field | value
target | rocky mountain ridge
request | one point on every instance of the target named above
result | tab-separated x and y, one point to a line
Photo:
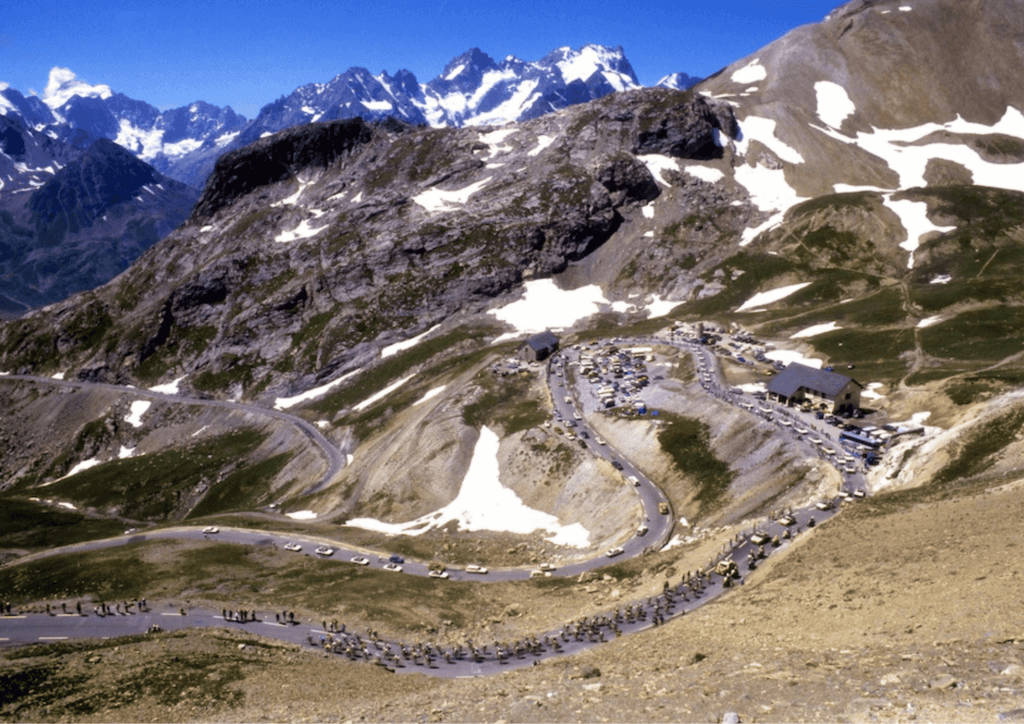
473	89
312	248
71	218
315	248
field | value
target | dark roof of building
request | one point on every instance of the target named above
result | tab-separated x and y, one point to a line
825	383
542	340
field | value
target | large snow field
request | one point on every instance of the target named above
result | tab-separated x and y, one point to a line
545	306
483	503
770	296
910	161
436	200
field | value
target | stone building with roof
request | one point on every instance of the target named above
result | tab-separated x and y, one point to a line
539	347
799	383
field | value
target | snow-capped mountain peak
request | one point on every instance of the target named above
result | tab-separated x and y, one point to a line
64	85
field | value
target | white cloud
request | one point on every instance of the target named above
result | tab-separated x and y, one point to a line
64	84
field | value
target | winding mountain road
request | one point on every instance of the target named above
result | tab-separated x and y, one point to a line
333	458
694	590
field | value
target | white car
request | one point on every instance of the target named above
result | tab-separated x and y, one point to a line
642	530
211	529
616	551
361	561
393	567
599	440
324	551
438	574
537	573
546	566
294	547
474	568
633	479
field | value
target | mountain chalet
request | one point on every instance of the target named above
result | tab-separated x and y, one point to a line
799	383
538	347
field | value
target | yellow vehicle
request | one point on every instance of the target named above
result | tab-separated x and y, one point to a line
663	508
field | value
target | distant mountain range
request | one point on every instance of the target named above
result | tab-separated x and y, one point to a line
185	142
99	212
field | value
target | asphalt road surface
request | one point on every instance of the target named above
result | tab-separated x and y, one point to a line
697	588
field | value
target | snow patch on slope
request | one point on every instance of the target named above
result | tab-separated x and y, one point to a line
435	199
772	295
483	503
752	72
834	105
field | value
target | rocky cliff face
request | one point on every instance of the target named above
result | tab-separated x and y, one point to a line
312	248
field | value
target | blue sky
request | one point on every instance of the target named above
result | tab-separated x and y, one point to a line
247	54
